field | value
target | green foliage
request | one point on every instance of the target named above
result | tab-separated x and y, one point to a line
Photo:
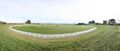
92	22
1	22
112	21
28	22
104	21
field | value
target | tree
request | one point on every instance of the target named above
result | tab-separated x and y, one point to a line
112	21
104	21
4	23
28	22
1	22
92	22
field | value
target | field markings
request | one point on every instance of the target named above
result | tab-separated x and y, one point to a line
51	36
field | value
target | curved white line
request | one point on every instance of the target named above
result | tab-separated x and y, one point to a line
50	36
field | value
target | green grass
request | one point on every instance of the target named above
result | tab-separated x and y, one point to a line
53	29
105	38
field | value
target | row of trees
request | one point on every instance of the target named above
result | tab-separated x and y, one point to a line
110	22
27	22
1	22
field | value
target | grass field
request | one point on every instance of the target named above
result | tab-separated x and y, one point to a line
105	38
52	29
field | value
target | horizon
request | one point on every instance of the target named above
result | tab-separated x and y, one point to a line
59	11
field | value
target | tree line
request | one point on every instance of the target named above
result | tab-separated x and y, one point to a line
105	22
2	22
109	22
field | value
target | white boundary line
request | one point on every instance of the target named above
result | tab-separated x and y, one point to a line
50	36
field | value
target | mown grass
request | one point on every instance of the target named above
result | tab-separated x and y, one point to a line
53	29
105	38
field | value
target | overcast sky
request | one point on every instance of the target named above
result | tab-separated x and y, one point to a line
59	11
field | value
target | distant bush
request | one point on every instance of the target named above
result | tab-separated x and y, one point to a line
104	21
81	24
99	24
92	22
1	22
28	22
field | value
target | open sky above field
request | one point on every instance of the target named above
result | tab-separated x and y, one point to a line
59	11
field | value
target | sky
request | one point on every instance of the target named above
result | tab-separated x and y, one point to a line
59	11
